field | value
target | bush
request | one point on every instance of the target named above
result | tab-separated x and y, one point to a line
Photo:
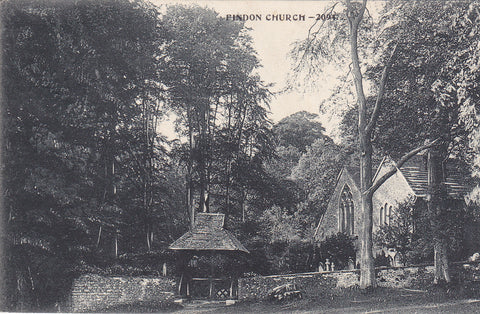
381	260
338	248
280	257
410	232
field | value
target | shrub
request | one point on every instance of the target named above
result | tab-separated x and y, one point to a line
338	248
410	231
281	257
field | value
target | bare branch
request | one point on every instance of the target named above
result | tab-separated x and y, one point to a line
381	92
398	165
311	36
362	11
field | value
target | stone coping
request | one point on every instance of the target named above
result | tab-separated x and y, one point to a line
351	270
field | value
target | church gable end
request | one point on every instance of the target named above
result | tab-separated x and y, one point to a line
342	213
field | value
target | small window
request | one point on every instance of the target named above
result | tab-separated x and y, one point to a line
385	214
382	214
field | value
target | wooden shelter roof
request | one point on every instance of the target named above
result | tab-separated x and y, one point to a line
208	235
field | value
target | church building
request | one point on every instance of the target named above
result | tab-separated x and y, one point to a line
409	182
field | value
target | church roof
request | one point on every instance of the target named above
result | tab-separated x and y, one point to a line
415	172
208	234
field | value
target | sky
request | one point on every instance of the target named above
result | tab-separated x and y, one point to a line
273	40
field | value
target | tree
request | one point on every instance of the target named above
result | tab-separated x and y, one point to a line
367	118
73	75
410	232
456	84
298	130
221	106
316	173
428	40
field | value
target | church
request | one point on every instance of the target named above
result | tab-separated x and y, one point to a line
409	182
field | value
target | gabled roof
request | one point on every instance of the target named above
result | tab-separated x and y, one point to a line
415	172
208	235
416	175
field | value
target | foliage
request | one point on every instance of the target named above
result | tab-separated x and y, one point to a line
316	173
406	231
338	248
222	108
88	175
279	226
73	128
298	130
286	158
281	257
411	229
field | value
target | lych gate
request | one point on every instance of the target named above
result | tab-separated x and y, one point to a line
207	259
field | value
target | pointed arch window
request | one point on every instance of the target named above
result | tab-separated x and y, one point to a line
382	216
385	214
346	216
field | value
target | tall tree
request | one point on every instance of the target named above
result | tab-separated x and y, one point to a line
73	72
428	40
299	130
367	117
220	103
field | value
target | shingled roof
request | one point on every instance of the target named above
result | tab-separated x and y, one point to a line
208	235
415	172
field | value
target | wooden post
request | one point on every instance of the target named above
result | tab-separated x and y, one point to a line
116	244
211	274
211	287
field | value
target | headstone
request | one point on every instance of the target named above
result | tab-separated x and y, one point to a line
327	265
474	258
351	264
391	253
321	268
164	269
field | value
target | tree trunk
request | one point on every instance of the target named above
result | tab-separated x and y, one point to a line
149	247
367	267
436	207
190	207
116	244
243	199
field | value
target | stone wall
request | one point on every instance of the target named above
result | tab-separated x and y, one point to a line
405	277
311	284
94	292
328	283
331	283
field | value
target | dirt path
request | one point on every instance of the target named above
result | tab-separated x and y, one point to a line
459	306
